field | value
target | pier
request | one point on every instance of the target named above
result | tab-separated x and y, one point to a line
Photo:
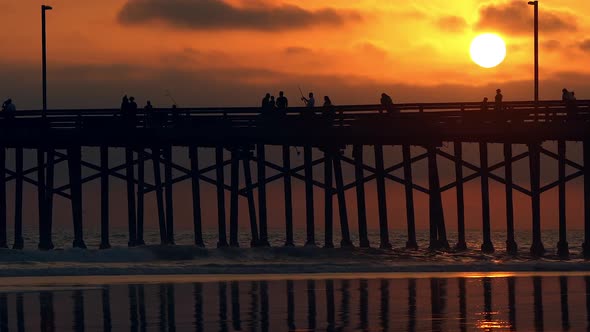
239	139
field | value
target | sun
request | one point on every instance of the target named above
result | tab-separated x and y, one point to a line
488	50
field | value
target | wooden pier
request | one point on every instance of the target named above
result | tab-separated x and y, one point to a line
246	135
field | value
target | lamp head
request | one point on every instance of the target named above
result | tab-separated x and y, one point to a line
533	3
47	7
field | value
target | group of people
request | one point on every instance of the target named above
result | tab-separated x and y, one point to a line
269	104
497	102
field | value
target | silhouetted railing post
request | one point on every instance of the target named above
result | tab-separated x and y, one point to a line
328	201
360	195
234	196
196	189
43	241
291	305
3	236
140	195
409	189
222	294
262	211
511	246
18	200
132	218
159	195
461	244
381	197
133	318
250	197
562	245
47	314
107	324
170	298
384	304
20	313
586	245
346	242
168	192
78	307
537	248
309	214
512	303
198	298
104	197
288	196
487	246
75	170
264	306
435	309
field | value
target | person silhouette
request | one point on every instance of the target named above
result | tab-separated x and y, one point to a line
271	104
265	102
8	108
149	114
484	104
125	103
131	111
309	102
387	103
282	103
498	100
328	107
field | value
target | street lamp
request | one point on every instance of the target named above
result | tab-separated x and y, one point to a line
536	5
44	8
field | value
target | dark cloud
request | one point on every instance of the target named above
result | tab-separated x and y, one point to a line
551	45
451	23
296	50
517	18
219	15
585	45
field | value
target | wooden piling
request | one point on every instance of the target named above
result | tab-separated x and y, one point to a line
511	246
537	248
586	157
3	236
250	196
562	245
18	200
328	202
262	210
75	170
288	196
159	195
408	186
346	242
196	191
168	190
222	242
235	183
44	242
131	208
307	157
360	195
487	246
140	195
104	197
381	197
49	179
461	243
438	238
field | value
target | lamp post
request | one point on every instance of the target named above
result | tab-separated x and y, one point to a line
44	8
536	5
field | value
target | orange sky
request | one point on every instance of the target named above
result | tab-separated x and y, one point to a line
212	52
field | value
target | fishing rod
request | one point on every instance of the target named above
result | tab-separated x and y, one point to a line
169	95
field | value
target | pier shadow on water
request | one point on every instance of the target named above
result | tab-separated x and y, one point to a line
527	303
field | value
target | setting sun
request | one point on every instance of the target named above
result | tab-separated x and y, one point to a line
488	50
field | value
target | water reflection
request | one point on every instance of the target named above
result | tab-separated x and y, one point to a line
435	304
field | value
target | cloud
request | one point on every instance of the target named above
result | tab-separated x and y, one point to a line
219	15
297	50
585	45
517	18
451	23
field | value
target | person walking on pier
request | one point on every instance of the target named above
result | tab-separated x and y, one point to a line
498	101
282	103
272	104
387	104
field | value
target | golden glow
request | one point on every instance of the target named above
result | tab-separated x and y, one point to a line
488	50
